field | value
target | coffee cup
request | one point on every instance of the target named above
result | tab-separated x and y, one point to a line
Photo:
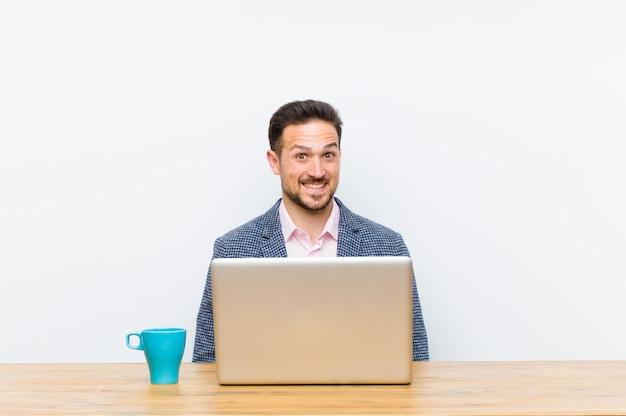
163	348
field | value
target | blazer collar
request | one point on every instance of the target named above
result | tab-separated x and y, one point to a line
273	243
348	244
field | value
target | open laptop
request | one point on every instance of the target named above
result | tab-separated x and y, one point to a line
332	320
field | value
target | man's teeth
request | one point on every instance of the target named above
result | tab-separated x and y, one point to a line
314	185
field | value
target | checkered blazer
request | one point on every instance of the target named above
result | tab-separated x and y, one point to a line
263	237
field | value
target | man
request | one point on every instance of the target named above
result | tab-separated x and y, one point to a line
305	139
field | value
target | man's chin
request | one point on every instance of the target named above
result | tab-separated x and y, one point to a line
312	205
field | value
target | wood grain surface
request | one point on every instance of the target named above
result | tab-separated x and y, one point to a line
438	388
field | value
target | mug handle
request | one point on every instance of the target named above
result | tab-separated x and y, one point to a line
139	346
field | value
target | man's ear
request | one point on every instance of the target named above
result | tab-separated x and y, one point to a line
274	161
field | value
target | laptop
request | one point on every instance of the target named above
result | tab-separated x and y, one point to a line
332	320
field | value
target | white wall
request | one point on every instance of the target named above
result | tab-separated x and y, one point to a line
491	134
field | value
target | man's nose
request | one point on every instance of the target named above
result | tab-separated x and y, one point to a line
316	168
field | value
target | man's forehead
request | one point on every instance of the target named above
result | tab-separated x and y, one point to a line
311	141
313	130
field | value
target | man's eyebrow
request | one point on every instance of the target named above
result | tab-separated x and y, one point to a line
300	146
307	148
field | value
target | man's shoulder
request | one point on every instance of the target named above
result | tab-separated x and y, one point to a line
361	236
362	224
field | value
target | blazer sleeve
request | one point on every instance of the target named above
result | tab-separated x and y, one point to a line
420	337
204	345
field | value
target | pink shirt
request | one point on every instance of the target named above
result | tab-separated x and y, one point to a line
298	242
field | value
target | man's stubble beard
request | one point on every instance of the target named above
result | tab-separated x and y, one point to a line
296	199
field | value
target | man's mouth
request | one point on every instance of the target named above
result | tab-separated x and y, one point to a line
314	185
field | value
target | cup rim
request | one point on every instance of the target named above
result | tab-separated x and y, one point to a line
164	330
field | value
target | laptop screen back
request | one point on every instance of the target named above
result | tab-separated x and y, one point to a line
338	320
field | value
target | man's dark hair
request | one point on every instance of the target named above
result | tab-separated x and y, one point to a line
300	112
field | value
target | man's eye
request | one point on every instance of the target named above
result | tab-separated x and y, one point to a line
301	156
329	155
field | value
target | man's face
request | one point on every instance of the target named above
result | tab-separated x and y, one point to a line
308	164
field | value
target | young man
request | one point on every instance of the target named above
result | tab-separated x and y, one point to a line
305	151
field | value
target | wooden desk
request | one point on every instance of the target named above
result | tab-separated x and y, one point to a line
438	388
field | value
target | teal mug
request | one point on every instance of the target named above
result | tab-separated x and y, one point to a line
163	348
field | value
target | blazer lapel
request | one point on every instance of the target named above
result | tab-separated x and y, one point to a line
272	241
349	240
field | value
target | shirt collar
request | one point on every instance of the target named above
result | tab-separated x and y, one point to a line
288	227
